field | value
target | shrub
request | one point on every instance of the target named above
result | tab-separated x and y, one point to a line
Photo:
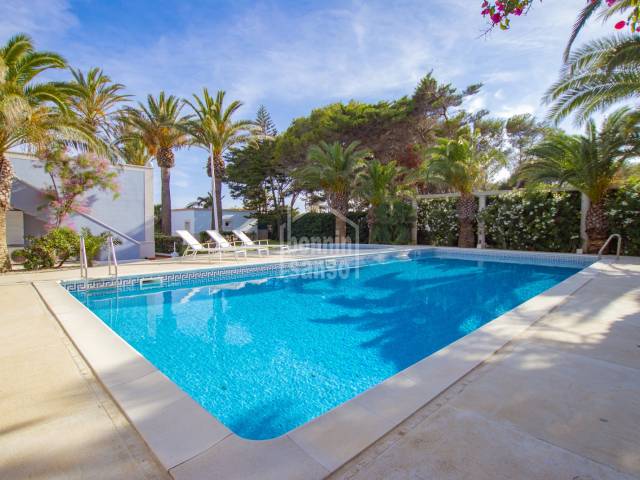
18	256
623	211
393	223
203	237
321	227
52	249
164	244
94	243
533	220
438	222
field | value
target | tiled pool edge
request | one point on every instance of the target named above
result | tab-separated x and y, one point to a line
282	266
188	441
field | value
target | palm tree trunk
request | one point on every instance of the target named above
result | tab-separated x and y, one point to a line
597	227
371	220
341	230
466	212
218	201
340	203
218	165
166	200
6	180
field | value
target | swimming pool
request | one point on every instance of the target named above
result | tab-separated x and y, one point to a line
269	353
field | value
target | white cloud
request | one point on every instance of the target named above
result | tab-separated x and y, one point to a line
40	18
518	109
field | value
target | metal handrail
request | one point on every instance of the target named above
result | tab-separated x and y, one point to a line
84	265
113	260
606	244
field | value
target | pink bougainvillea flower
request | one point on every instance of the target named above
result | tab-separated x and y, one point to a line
620	25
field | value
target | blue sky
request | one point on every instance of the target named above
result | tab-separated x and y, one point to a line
293	56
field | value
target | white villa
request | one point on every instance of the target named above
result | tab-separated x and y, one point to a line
196	220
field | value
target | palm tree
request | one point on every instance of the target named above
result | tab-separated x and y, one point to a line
332	168
589	163
95	99
598	75
128	145
161	127
214	129
459	164
24	112
607	11
377	183
133	151
202	202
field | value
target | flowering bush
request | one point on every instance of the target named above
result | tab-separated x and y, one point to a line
623	211
542	221
438	222
499	12
71	178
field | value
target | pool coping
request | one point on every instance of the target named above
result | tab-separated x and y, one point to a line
189	442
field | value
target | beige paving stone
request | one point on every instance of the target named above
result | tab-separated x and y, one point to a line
55	422
587	406
277	459
617	343
340	434
457	445
179	431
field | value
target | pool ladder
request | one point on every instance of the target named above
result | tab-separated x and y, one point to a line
606	244
84	265
112	259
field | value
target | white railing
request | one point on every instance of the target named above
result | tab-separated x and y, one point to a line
606	244
113	260
84	265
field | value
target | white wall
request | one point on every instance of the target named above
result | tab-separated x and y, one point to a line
182	219
200	219
15	228
129	216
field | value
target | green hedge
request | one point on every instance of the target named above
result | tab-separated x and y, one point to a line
437	222
533	220
320	227
623	211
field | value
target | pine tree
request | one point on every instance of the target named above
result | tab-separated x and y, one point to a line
265	123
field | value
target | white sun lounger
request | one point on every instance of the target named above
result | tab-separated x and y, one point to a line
194	246
259	245
223	244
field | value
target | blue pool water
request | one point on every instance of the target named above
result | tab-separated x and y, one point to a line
270	354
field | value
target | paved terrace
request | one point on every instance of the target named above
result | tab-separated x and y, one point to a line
560	401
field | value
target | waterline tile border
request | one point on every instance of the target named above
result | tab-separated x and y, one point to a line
236	272
347	260
190	443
